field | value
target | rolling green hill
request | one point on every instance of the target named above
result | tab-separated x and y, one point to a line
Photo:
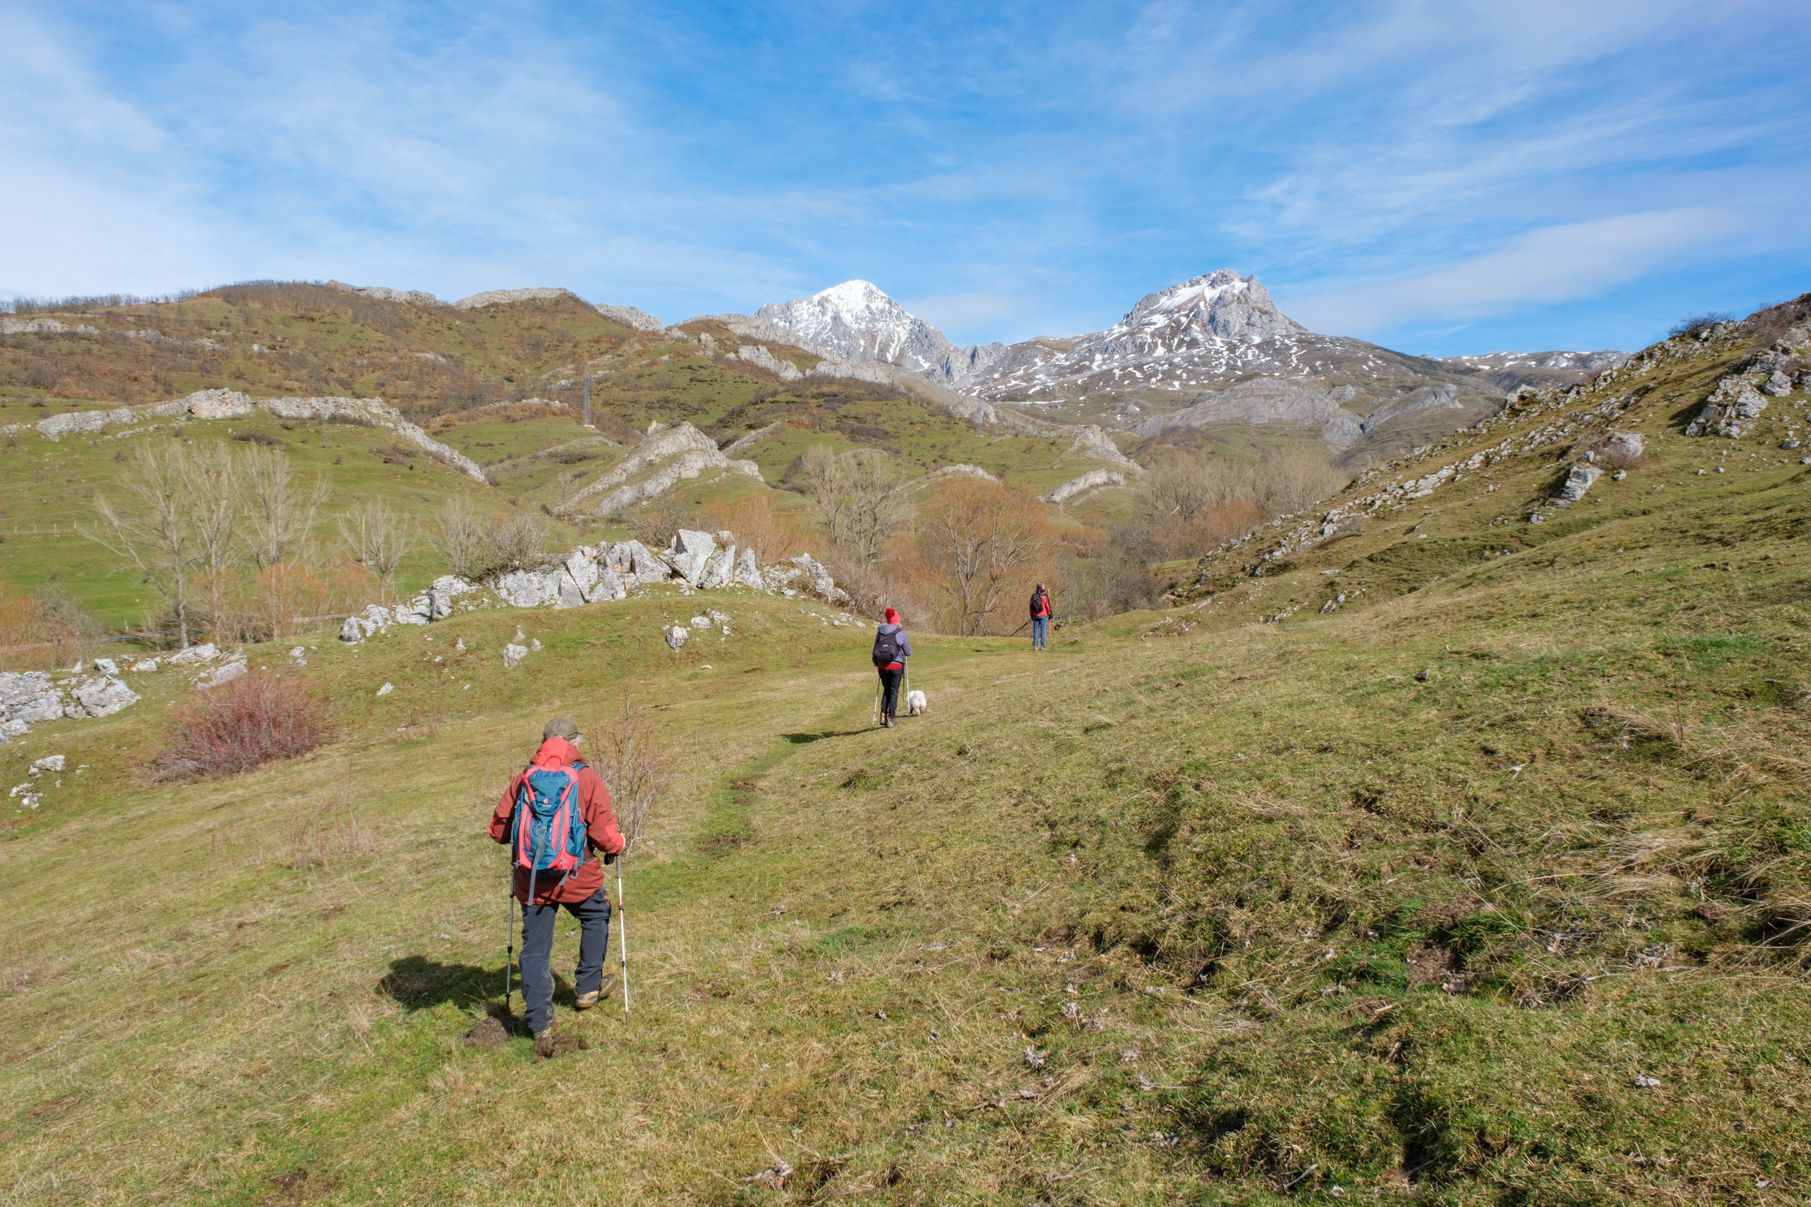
1490	884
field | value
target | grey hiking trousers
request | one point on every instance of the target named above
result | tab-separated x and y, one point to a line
593	914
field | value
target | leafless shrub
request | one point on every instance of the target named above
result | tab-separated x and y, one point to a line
632	766
1693	324
255	719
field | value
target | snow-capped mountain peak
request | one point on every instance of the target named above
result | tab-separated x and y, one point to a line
856	320
1217	304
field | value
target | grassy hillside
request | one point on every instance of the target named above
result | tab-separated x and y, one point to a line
1491	885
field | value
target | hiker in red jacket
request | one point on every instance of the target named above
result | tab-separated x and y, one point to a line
891	648
580	888
1041	612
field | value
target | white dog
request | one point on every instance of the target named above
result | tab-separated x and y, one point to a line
915	703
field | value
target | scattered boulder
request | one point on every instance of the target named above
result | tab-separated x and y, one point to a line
822	585
691	551
101	697
25	697
528	588
676	636
145	666
1730	410
1777	384
53	763
748	571
1626	447
386	689
1579	479
513	655
224	673
195	654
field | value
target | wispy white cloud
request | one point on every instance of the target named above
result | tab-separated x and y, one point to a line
1551	265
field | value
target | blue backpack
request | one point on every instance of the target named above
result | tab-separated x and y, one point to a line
554	838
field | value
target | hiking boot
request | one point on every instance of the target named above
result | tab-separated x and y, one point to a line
585	1001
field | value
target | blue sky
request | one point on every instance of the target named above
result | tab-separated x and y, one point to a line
1437	175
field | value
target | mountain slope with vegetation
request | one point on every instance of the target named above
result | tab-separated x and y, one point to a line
1488	881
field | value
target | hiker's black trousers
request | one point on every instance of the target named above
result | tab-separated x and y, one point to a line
889	691
593	914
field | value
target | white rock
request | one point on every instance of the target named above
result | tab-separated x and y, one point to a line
513	655
444	590
676	636
145	666
690	552
101	698
748	572
386	689
205	652
535	645
50	762
529	588
720	570
106	666
224	673
27	696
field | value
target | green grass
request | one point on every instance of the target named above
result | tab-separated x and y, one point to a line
1394	904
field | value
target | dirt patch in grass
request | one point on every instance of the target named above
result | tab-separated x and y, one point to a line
297	1186
1430	964
487	1032
559	1043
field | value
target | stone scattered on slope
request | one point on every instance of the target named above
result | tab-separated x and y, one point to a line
513	654
53	763
386	689
222	674
676	636
100	697
1579	479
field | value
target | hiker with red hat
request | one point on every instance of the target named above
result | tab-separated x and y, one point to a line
891	648
556	818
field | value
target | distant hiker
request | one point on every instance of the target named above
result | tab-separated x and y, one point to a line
891	648
555	815
1041	612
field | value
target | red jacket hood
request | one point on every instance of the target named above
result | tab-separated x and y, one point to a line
892	616
560	749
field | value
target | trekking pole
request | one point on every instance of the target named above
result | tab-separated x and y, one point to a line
874	713
509	935
622	921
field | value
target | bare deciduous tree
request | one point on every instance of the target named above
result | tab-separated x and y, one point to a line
153	526
280	512
976	535
1296	478
859	495
378	538
214	478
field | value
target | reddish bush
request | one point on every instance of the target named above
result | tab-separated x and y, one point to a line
255	719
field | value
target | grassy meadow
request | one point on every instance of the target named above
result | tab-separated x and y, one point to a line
1493	885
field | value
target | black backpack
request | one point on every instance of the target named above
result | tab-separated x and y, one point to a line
886	648
1037	599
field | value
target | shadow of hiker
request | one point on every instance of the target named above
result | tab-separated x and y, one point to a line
418	983
802	739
